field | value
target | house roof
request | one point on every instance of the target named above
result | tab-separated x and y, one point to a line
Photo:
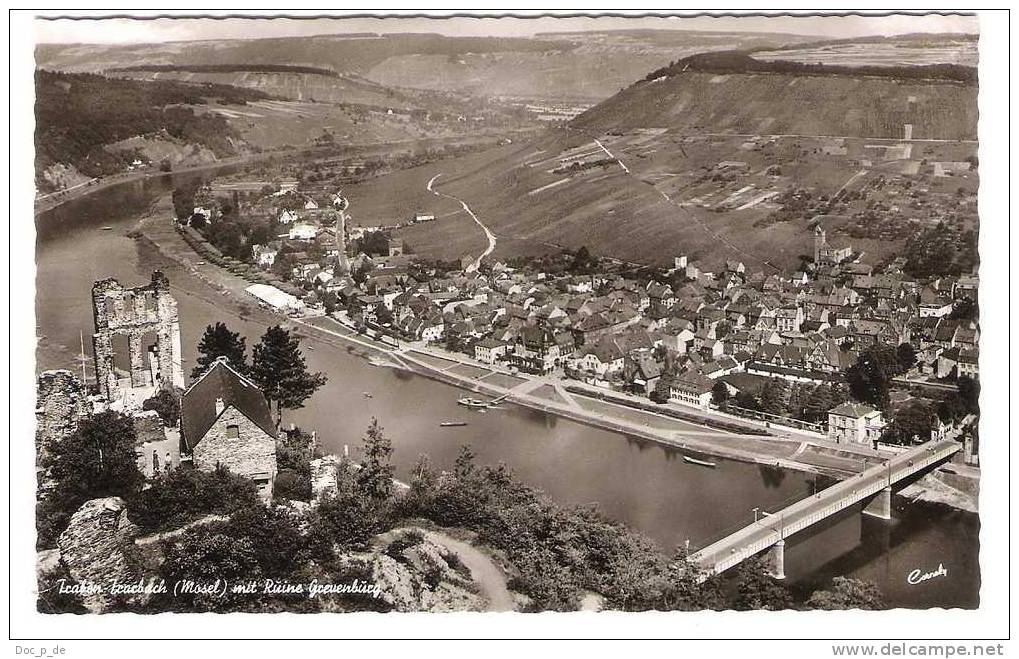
852	410
198	405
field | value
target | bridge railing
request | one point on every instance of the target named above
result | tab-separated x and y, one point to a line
744	543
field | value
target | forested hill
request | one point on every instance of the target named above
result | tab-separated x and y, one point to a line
740	62
731	92
227	68
79	115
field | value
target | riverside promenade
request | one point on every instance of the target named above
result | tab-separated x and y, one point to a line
549	394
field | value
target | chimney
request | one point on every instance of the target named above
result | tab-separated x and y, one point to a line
220	406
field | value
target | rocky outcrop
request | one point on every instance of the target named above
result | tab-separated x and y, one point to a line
416	574
92	549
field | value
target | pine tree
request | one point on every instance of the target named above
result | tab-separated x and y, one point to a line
279	369
820	400
218	341
375	479
464	467
773	396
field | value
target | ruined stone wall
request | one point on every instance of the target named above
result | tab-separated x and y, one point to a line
134	312
252	454
324	472
60	403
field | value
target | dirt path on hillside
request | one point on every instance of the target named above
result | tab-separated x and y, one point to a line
483	569
491	236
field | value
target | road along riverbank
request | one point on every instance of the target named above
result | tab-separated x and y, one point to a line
644	484
544	394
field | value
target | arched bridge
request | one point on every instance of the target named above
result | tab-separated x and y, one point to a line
771	531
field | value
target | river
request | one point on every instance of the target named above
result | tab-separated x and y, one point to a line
639	483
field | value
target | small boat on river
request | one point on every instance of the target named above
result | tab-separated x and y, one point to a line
696	461
366	394
452	424
475	403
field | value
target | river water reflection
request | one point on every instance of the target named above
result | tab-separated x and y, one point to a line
640	483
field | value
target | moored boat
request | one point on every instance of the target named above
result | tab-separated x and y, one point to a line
696	461
472	402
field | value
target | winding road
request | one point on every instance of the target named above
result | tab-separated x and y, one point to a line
491	236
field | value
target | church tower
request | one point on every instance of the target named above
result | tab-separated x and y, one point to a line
342	264
820	241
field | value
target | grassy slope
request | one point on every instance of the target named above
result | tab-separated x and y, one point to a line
627	217
782	104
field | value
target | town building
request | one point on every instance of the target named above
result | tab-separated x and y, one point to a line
225	421
855	423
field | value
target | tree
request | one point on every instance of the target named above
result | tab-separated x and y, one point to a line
819	401
279	369
746	400
756	590
184	200
348	520
719	393
799	394
846	593
911	425
582	261
375	479
871	376
167	405
329	301
773	396
934	252
906	355
464	467
969	392
98	460
218	341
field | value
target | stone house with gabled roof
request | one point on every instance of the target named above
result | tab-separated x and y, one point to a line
854	423
225	421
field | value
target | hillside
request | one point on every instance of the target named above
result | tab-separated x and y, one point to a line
340	53
81	118
739	166
588	66
597	65
695	102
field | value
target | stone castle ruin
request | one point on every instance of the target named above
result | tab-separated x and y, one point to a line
60	402
136	313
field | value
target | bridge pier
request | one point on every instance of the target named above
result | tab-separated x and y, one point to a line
881	505
776	557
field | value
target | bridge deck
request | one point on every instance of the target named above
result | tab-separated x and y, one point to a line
755	538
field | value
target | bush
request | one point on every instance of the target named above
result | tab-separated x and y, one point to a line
292	485
185	495
167	405
348	521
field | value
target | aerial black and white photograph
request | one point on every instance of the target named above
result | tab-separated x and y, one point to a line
554	313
